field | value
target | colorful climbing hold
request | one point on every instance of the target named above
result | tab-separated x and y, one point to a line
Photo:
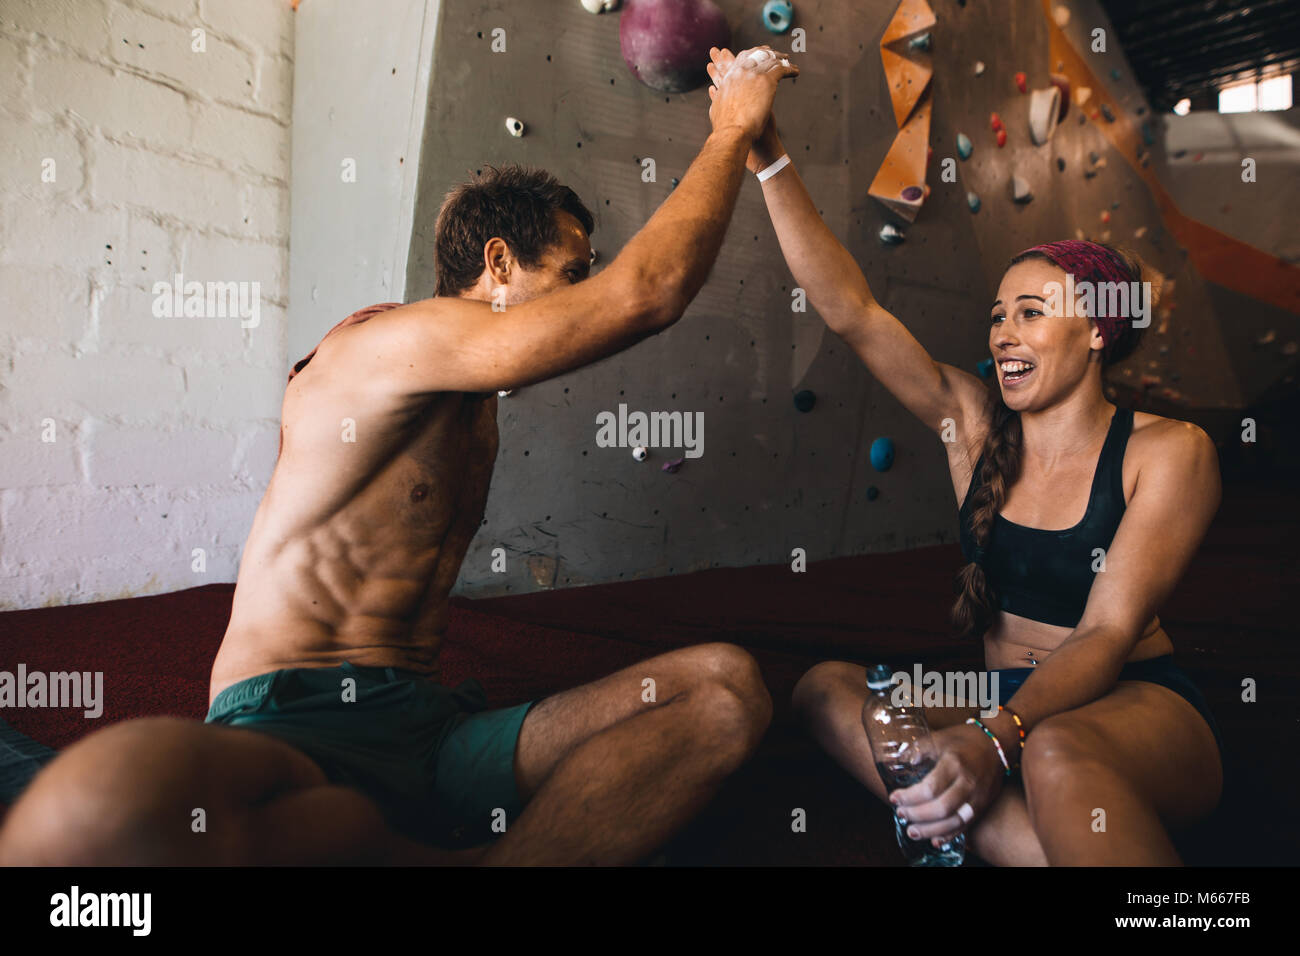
1002	137
913	193
1020	190
1022	83
672	466
964	146
1114	73
985	368
1105	215
890	234
1107	112
973	201
514	127
882	454
805	400
1061	14
1114	204
979	67
872	492
640	453
1148	134
778	15
995	122
920	42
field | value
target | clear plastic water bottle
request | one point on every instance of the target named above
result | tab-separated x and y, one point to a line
904	753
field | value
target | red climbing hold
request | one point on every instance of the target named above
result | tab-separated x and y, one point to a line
995	122
1022	83
1002	137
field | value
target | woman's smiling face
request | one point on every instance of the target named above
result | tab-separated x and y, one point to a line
1040	356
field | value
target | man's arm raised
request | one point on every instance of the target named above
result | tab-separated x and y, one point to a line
452	344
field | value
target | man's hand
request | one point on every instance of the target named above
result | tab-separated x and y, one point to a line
967	773
744	87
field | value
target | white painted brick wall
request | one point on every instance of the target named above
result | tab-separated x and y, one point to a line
166	161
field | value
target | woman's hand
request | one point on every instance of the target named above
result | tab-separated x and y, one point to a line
967	773
744	85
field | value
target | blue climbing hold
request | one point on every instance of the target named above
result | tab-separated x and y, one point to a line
985	368
778	15
805	400
973	201
1114	73
1148	134
964	146
921	43
873	493
882	454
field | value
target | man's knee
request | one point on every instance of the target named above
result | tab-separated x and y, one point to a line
735	669
729	701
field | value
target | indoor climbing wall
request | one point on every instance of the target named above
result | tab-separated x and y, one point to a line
776	475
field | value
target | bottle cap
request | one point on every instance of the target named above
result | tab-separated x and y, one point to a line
879	677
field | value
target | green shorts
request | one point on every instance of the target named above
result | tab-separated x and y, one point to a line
438	763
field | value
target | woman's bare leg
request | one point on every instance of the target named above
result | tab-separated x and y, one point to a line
1103	781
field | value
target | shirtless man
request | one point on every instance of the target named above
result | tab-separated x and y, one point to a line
329	739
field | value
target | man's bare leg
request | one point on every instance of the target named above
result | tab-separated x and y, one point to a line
127	796
609	776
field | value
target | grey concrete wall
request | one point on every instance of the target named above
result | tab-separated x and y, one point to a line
771	479
361	78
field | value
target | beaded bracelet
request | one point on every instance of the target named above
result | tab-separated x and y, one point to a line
1001	756
1020	726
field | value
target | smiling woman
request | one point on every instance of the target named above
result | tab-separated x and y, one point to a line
1069	556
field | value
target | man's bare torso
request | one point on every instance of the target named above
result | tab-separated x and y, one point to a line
356	544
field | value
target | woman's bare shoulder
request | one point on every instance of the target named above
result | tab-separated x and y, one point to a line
1171	440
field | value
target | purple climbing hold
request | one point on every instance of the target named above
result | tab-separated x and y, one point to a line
913	193
672	466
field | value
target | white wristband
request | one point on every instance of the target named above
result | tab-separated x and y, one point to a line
769	171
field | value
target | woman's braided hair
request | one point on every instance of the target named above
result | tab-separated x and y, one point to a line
976	603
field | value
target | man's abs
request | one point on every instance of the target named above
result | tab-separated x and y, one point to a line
362	530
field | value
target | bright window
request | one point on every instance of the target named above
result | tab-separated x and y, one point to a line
1275	93
1239	99
1271	94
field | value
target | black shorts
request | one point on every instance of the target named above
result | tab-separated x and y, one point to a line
1156	670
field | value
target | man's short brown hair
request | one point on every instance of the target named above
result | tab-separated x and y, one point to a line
515	203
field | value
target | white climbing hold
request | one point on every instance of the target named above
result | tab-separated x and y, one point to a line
599	6
1061	15
640	453
1139	232
514	127
1020	190
1044	111
979	67
1082	94
503	392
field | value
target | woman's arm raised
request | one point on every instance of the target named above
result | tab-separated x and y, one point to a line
837	289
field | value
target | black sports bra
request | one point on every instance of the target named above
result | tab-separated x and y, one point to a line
1046	575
